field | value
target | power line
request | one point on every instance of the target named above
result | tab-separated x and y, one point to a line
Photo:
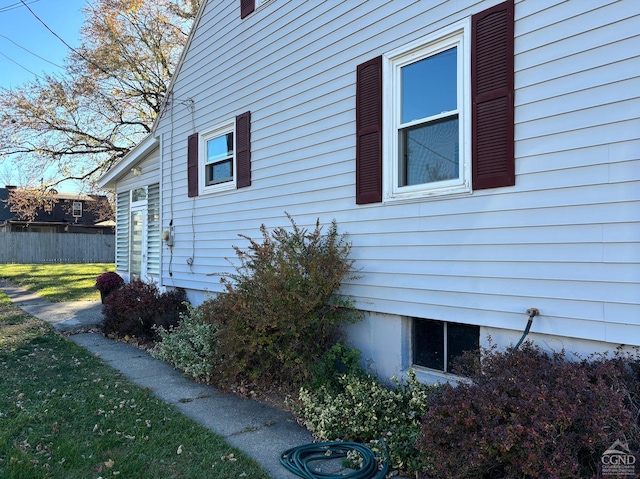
77	52
47	27
13	6
21	66
29	51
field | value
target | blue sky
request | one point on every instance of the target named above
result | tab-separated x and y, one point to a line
28	48
23	33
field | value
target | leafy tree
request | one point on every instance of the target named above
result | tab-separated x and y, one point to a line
75	125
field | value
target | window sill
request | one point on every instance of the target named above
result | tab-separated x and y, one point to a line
430	376
430	195
228	186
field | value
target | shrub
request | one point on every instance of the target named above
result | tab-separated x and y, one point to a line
365	410
280	312
134	309
189	346
528	414
337	361
108	281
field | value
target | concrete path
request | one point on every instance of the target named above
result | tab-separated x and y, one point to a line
259	430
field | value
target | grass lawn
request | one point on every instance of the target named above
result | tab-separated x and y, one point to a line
57	282
65	414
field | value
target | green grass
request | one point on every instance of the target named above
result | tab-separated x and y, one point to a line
65	414
57	282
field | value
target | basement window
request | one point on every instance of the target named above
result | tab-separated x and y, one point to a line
438	344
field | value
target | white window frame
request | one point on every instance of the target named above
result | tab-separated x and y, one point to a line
456	35
218	130
76	209
261	3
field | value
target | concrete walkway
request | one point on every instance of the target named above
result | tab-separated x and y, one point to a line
259	430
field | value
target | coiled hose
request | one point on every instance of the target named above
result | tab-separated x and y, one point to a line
298	460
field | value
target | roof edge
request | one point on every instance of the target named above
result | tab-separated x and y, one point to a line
108	179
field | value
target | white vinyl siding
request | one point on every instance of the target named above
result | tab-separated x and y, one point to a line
564	239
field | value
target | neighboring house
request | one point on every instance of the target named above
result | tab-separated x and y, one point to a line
66	213
483	158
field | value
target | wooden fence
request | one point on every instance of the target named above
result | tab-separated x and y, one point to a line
43	248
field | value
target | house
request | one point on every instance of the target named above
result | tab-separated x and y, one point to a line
482	156
63	213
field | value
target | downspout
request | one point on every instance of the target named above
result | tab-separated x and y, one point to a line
532	313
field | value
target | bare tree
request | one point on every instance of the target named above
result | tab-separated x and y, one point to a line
75	125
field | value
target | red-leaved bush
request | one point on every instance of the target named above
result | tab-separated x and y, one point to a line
528	414
136	307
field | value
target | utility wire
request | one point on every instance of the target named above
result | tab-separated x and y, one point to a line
47	27
21	66
29	51
13	6
77	52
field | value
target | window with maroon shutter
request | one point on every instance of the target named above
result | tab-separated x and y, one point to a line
192	165
449	113
492	94
369	132
219	159
243	150
247	7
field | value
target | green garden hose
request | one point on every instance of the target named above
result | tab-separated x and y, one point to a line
299	460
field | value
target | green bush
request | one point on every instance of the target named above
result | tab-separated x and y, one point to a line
280	310
365	410
528	414
189	346
339	360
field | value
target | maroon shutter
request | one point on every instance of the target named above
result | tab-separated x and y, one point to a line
247	7
492	97
243	150
192	165
369	132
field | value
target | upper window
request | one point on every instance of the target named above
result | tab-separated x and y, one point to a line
247	7
428	118
436	116
77	209
218	159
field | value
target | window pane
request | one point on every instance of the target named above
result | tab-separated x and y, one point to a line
139	194
219	172
135	266
429	152
429	86
219	148
428	343
461	338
